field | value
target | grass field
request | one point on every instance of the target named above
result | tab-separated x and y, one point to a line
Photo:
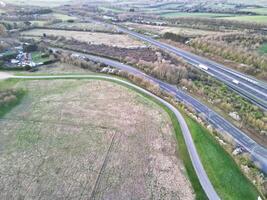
114	10
244	18
262	19
88	138
118	40
39	23
58	68
177	30
63	17
2	10
183	14
255	2
222	170
93	26
263	48
37	57
260	11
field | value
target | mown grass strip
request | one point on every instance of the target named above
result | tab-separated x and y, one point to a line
223	172
263	48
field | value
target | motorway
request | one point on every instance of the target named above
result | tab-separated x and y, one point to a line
258	152
250	88
202	176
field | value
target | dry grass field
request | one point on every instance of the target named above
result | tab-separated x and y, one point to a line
177	30
60	68
117	40
82	139
92	26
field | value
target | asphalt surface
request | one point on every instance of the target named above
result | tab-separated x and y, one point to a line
202	176
250	88
257	152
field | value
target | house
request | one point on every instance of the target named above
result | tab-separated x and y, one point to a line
23	60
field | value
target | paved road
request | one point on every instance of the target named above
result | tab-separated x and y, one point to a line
4	75
202	176
250	88
258	152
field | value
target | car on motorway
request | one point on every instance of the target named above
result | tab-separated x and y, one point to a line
235	81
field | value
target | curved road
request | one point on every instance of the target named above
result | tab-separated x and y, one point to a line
250	88
202	176
257	152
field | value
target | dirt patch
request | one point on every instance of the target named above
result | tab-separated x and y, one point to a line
84	139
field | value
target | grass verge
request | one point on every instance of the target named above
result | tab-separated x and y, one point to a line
223	172
263	48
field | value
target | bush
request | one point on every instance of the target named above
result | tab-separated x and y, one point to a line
175	37
8	99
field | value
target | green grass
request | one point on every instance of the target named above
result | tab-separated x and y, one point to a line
261	19
263	48
27	138
63	17
185	14
9	53
8	83
255	2
114	10
4	109
2	10
260	11
38	23
37	57
225	175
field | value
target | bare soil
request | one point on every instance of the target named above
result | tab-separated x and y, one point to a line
88	139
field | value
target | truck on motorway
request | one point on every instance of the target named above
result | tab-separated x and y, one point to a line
204	67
